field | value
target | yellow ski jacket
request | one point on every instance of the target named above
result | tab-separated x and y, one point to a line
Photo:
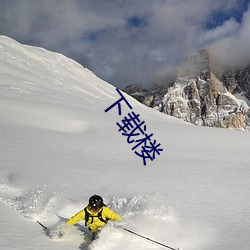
94	223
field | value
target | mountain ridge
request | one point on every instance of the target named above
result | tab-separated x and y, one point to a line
201	95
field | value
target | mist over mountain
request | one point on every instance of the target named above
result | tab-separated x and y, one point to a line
203	92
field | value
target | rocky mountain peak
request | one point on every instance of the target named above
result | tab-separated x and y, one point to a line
196	64
200	96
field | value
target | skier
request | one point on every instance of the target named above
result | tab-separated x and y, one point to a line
95	214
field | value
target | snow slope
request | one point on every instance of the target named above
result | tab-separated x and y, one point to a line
58	147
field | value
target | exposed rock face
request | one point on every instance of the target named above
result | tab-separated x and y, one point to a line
199	97
137	91
237	81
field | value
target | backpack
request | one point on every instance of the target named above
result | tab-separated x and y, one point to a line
88	216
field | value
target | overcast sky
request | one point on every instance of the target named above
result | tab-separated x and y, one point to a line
131	41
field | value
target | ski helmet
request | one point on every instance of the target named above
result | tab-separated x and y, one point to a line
96	202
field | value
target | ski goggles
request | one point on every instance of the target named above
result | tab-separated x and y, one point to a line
94	208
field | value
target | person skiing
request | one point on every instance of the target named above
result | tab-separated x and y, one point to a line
95	214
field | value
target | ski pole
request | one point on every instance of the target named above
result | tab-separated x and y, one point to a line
45	228
146	238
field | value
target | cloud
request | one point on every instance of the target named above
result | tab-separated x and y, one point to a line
228	28
126	42
233	49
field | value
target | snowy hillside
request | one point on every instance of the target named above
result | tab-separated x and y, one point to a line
58	147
